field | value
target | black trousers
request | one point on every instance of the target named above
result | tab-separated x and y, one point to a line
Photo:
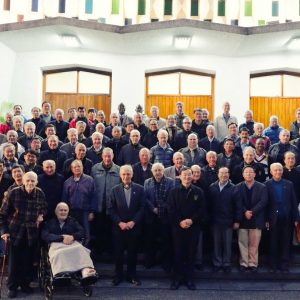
101	228
125	240
20	264
158	239
280	243
184	247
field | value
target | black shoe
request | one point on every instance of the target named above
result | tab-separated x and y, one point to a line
227	269
190	285
243	269
12	294
253	269
216	269
135	281
27	289
116	281
175	285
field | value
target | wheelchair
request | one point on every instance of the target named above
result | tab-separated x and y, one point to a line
49	283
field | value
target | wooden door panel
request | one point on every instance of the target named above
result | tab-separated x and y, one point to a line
167	104
65	101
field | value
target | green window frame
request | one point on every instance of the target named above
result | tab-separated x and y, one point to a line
221	8
194	8
248	8
168	8
275	8
142	7
88	6
115	7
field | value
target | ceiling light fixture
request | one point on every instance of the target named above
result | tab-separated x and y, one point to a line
182	42
71	41
294	43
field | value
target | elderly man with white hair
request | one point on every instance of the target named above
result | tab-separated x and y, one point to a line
129	153
61	126
154	114
29	134
66	253
282	214
249	123
221	122
210	142
258	134
162	151
142	169
126	209
272	132
277	150
94	153
12	138
21	213
157	227
174	171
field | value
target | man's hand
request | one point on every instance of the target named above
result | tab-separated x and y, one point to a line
155	210
123	226
185	224
39	220
5	236
248	214
68	239
91	217
296	223
130	225
236	226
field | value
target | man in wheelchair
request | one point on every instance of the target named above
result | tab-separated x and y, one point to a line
67	255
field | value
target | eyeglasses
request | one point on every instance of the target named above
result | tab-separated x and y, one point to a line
153	124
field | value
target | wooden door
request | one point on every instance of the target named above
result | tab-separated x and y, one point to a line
66	101
284	108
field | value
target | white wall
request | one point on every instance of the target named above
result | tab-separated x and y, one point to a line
128	81
7	62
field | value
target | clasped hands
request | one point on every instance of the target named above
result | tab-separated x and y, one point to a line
68	239
126	226
185	224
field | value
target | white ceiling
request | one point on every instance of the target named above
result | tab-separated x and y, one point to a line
223	42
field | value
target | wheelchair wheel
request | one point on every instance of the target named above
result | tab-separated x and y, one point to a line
48	292
88	291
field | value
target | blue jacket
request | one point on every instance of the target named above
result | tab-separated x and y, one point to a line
149	186
273	133
224	206
80	194
164	156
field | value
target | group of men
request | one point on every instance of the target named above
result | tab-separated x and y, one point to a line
164	186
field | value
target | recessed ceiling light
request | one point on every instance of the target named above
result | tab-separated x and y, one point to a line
71	41
294	43
182	42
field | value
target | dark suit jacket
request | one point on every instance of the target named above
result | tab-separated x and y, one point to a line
259	201
290	202
215	145
120	212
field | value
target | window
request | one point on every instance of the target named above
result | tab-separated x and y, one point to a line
291	86
115	7
88	6
35	5
221	8
248	8
62	6
6	5
234	22
142	7
275	8
167	84
154	20
64	82
168	8
194	8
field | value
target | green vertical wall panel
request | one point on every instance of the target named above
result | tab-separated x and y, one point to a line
221	8
115	7
168	8
194	8
275	8
248	8
142	7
